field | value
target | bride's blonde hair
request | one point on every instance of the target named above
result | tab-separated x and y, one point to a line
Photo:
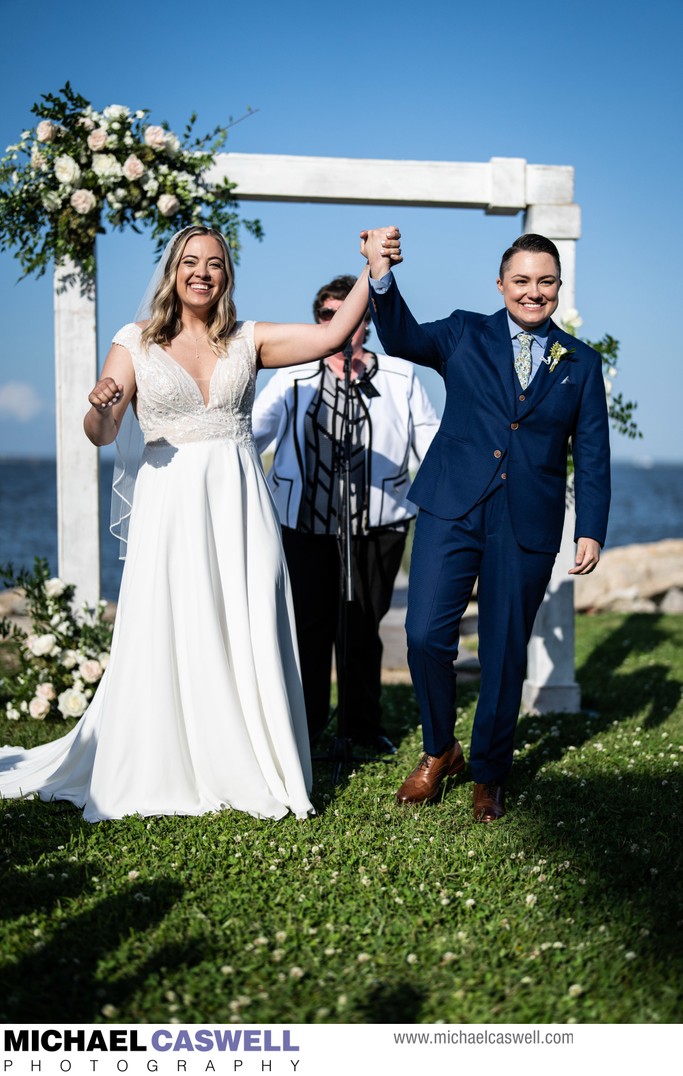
165	324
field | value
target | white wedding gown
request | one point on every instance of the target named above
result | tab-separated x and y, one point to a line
201	705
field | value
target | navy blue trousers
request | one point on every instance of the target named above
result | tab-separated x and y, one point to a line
448	556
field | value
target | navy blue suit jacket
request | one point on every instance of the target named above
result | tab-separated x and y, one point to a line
492	428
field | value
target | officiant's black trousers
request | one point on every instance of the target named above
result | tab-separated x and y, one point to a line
315	571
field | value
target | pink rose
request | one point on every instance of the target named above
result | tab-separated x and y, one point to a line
46	131
90	670
155	137
46	691
133	167
83	201
97	139
168	205
39	708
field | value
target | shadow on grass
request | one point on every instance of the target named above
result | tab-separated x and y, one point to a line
609	693
621	836
58	978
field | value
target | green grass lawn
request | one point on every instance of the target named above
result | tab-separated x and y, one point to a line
569	909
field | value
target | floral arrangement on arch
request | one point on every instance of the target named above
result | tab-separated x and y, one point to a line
62	660
80	167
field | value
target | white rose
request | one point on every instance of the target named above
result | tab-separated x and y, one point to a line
12	714
168	204
46	131
106	166
39	708
40	644
66	169
72	703
155	137
90	670
46	691
70	659
85	121
151	186
97	139
113	112
54	587
103	659
133	167
172	144
83	201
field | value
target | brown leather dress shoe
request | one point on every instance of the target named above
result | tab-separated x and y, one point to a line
423	783
489	802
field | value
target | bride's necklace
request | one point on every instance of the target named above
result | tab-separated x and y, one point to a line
196	339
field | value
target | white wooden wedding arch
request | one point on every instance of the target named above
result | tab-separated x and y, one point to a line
501	186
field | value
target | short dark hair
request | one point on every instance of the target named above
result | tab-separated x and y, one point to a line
534	244
338	288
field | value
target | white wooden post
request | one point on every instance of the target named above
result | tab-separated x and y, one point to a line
78	530
550	685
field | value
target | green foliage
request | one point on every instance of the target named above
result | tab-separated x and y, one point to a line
81	168
60	662
568	910
620	410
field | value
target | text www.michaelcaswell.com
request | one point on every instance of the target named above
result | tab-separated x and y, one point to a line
460	1037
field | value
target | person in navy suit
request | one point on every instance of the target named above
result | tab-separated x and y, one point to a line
491	497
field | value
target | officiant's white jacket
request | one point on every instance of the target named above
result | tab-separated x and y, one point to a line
401	423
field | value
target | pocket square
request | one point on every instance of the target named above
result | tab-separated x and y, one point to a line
566	381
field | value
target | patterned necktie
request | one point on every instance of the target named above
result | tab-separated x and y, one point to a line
523	359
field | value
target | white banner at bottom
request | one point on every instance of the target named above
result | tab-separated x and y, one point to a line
328	1049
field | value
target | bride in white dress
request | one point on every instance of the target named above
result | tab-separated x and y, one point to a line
201	705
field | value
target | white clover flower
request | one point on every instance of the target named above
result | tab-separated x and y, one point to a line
168	205
412	958
83	201
72	703
469	903
530	899
38	708
296	973
106	166
46	131
66	170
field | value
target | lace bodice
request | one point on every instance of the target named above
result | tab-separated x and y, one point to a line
170	406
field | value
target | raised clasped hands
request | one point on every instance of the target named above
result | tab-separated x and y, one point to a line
105	394
382	248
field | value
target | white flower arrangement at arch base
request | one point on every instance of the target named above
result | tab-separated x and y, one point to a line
63	658
80	168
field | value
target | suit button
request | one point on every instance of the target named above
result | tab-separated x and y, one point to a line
503	476
497	454
522	398
514	425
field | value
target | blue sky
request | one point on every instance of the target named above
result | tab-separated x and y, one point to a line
589	84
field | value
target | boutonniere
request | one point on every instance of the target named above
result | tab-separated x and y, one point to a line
556	354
